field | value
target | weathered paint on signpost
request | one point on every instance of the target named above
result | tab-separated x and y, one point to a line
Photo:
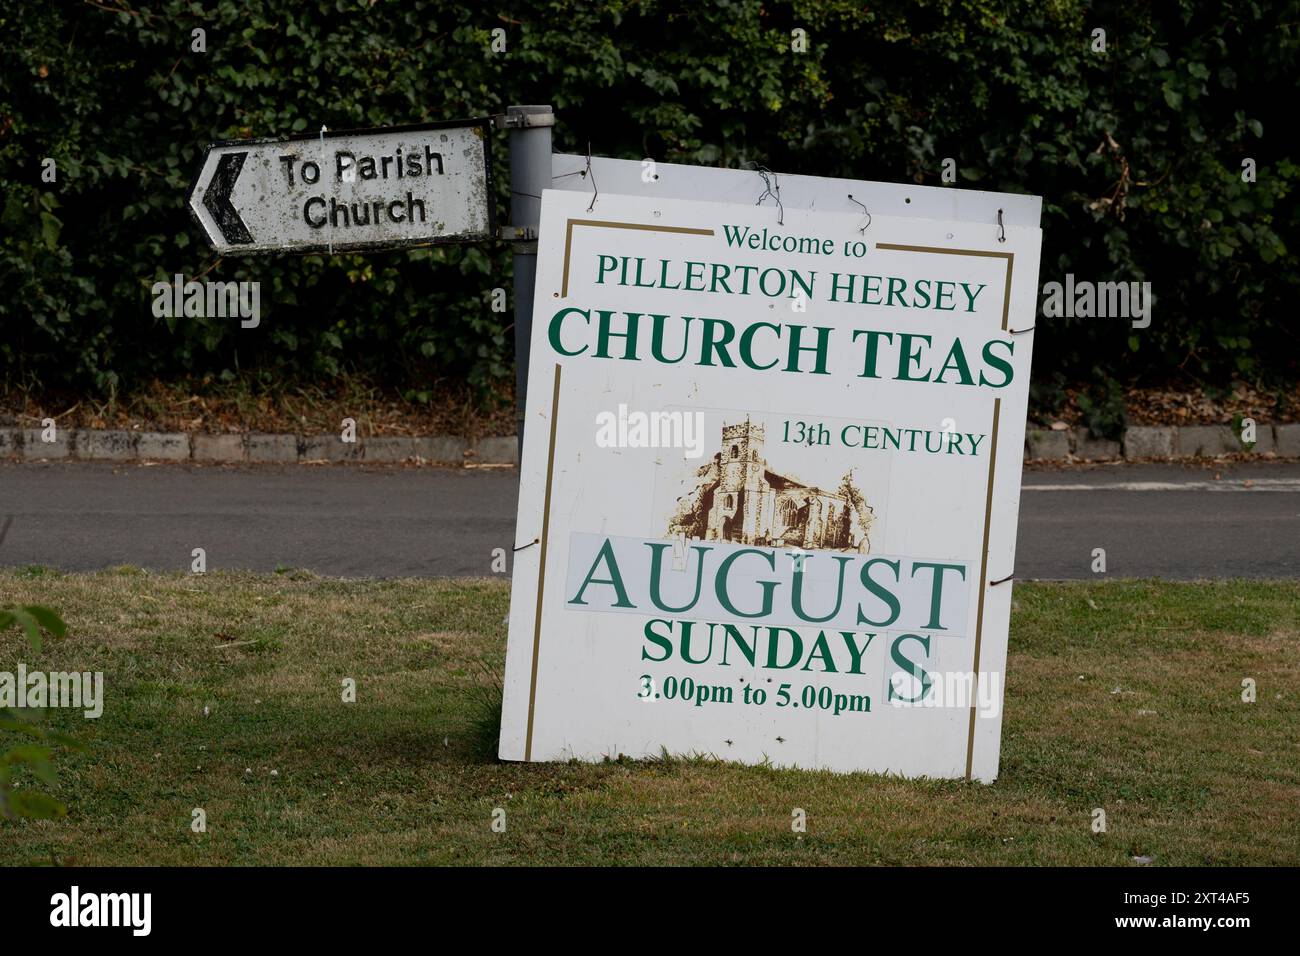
769	488
347	190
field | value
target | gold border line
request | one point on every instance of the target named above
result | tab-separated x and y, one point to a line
647	227
988	494
984	570
541	570
1009	256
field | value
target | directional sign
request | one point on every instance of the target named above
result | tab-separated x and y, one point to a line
347	190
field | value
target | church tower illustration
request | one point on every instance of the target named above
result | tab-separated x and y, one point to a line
741	484
737	497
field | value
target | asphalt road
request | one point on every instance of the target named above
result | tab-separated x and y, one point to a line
1169	521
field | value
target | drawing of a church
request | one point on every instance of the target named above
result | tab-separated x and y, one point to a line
738	498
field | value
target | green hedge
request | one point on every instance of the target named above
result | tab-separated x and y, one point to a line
111	90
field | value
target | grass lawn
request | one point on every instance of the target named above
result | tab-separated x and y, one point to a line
1121	695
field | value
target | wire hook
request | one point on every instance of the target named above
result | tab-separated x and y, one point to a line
862	229
590	172
771	187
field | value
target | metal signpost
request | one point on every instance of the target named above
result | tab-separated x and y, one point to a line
530	173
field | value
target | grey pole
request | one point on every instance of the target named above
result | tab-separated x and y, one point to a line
530	173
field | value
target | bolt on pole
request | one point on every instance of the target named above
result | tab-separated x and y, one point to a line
530	173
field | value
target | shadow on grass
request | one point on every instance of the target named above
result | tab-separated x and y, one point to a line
485	732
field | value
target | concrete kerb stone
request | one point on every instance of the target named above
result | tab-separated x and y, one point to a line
497	451
1047	444
329	448
1288	440
268	447
1088	448
441	448
164	446
34	448
1265	444
105	445
1207	441
1151	442
219	448
388	448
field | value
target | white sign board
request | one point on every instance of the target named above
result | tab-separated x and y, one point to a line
349	190
771	473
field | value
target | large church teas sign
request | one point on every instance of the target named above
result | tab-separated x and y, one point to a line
771	475
347	190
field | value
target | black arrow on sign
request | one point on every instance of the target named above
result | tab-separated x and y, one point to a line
217	199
